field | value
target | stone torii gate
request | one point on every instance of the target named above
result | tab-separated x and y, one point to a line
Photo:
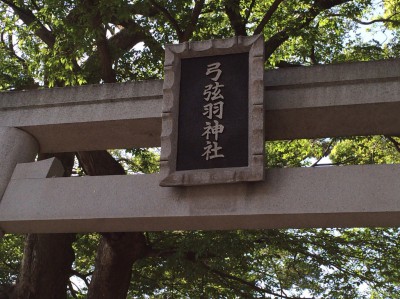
309	102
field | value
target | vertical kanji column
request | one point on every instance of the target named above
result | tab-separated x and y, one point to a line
16	146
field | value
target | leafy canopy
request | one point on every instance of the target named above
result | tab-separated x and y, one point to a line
48	43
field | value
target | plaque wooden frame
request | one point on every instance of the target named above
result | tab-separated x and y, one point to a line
253	45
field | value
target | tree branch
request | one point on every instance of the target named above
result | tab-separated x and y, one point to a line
119	44
106	62
286	64
274	6
395	143
378	20
29	82
198	7
30	19
313	57
327	4
41	31
325	153
71	290
232	10
293	30
35	5
99	163
105	59
248	13
128	37
82	276
337	163
170	18
245	282
10	49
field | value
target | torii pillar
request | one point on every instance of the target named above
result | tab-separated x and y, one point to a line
16	146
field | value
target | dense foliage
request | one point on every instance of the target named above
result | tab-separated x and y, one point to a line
47	43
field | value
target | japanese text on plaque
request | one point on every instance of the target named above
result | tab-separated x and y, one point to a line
213	110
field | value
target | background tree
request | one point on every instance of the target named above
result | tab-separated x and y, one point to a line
48	43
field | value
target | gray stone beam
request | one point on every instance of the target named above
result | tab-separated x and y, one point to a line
324	101
349	196
346	99
89	117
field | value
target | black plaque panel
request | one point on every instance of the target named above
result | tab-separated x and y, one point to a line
191	121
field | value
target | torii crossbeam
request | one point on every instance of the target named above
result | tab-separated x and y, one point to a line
308	102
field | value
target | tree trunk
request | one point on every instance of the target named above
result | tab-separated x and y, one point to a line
115	257
46	265
117	251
